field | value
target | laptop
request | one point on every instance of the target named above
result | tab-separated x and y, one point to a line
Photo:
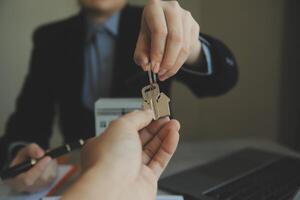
248	174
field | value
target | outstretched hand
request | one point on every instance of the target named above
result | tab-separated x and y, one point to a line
128	158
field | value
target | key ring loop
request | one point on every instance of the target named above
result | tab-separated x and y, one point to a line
151	75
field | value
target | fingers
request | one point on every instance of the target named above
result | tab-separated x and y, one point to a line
30	151
166	150
148	133
156	23
34	179
161	144
136	120
39	175
50	171
169	36
170	68
35	172
174	39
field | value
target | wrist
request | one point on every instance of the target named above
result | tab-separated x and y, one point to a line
195	54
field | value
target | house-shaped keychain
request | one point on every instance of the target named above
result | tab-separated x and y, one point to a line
163	105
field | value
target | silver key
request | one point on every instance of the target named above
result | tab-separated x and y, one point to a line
154	99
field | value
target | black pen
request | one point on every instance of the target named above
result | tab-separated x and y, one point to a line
26	165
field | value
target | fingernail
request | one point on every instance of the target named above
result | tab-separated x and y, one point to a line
145	63
39	153
144	67
145	60
179	125
46	160
155	67
162	78
162	72
150	112
147	66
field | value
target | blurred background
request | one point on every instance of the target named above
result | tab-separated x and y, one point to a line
263	35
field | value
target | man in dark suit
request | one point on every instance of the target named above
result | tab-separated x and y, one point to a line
90	55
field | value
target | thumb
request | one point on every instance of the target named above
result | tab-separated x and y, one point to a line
34	151
30	151
139	119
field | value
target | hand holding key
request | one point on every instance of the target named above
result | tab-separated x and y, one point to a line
169	38
126	161
155	100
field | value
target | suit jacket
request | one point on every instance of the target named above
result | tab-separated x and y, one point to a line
54	82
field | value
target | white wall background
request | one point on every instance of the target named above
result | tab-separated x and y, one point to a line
252	28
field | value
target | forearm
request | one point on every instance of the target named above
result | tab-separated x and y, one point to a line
195	55
214	74
199	61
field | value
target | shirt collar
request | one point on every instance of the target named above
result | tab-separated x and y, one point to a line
111	25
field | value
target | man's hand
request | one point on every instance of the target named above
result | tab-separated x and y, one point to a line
126	161
38	176
169	37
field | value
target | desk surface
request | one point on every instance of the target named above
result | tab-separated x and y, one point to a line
190	154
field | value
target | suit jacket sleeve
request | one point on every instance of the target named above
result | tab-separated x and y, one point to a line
33	116
224	71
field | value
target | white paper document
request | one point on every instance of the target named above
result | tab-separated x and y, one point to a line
162	197
169	197
6	194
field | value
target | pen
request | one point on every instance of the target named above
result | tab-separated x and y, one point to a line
26	165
